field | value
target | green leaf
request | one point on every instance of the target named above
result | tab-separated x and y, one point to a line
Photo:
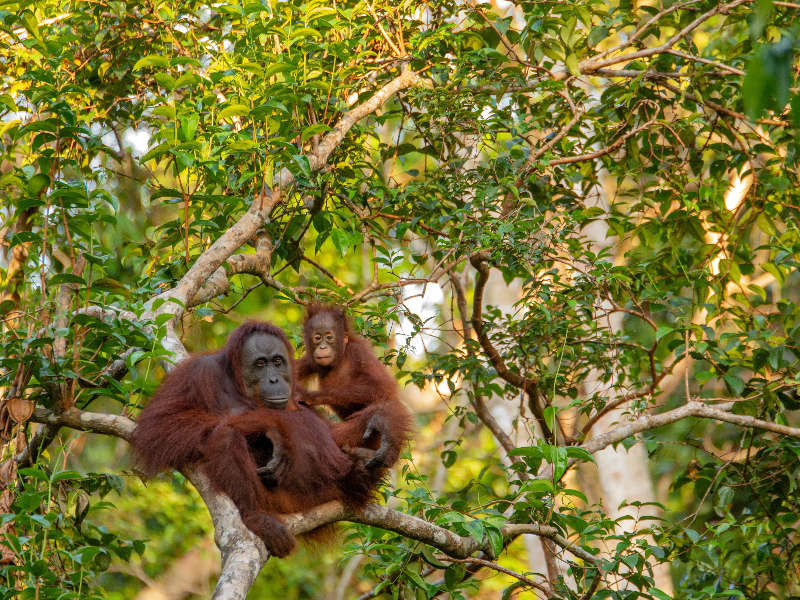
66	278
62	475
550	414
163	318
157	152
151	61
427	554
165	80
580	453
448	458
453	575
736	384
278	68
416	579
186	79
37	183
34	472
166	111
511	590
41	521
760	358
30	23
765	224
305	166
495	539
663	330
313	130
658	594
531	451
724	496
572	65
755	89
475	528
235	110
597	35
540	485
305	32
340	240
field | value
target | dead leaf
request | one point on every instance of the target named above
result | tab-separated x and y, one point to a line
20	409
6	424
8	473
6	500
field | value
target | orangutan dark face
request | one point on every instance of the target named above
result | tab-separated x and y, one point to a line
327	339
267	371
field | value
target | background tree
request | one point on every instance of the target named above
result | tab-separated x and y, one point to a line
571	226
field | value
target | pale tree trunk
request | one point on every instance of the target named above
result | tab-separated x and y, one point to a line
503	296
624	475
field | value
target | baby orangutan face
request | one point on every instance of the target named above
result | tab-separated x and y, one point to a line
267	371
327	339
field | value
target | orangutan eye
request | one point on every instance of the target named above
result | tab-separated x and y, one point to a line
277	360
317	339
261	362
329	338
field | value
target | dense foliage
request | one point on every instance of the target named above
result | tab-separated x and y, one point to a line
581	216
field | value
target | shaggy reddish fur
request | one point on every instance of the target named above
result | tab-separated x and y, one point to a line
356	387
201	415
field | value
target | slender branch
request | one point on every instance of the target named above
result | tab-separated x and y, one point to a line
495	567
721	109
461	302
635	35
706	61
644	74
486	417
327	273
693	408
611	405
478	261
589	66
333	138
607	150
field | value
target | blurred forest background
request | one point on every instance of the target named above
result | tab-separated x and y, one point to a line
570	228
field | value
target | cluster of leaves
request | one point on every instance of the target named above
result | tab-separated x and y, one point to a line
56	548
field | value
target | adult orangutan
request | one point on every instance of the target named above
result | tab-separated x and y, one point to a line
355	384
233	413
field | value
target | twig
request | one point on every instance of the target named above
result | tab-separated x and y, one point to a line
495	567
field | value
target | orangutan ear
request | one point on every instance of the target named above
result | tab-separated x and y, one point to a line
346	339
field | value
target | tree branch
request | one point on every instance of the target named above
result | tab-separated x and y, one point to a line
529	386
694	408
590	66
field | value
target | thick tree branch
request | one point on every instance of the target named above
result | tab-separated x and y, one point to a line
318	159
113	425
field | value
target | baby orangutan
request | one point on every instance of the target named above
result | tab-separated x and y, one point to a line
354	384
